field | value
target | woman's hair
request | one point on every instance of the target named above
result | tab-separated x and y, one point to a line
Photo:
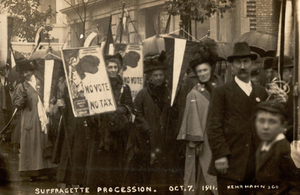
117	58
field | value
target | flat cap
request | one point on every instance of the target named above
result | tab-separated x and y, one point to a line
273	107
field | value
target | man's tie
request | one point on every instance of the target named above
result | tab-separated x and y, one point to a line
263	154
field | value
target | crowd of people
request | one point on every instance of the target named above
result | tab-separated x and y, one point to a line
217	138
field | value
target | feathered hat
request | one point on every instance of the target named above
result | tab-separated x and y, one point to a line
205	53
155	62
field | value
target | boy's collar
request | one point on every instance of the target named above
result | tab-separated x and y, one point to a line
266	146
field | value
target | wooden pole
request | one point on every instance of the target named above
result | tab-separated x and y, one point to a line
121	23
282	30
296	6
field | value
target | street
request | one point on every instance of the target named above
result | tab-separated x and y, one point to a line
18	185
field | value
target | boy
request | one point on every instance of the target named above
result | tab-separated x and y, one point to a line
276	172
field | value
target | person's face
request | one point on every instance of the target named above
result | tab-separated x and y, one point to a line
112	69
269	73
26	74
203	72
157	77
242	68
268	125
287	74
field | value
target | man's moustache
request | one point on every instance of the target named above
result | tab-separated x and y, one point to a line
243	72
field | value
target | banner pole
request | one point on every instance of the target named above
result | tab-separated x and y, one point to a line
296	5
121	23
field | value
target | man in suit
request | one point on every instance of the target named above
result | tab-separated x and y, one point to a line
230	130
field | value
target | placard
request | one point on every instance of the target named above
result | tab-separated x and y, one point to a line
132	66
88	83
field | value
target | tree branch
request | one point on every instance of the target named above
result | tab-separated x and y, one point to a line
76	9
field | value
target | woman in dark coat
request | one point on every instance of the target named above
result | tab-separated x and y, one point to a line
74	138
158	151
106	158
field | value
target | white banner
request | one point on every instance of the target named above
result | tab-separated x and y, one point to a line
3	40
48	74
179	49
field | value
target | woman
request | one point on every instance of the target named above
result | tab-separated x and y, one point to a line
192	131
72	140
108	137
34	124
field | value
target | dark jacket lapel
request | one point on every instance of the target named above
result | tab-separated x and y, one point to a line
261	161
254	96
240	98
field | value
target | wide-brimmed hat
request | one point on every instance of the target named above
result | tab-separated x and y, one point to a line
25	64
287	62
241	50
155	62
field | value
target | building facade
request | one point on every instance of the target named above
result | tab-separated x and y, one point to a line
146	18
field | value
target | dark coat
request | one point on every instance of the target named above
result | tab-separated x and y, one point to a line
158	138
74	138
230	129
6	105
276	168
107	147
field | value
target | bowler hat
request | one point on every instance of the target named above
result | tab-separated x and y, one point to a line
268	63
25	64
287	62
273	107
155	62
241	50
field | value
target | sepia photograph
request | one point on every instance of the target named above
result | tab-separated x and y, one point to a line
166	97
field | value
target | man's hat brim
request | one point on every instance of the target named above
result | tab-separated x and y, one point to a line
252	56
